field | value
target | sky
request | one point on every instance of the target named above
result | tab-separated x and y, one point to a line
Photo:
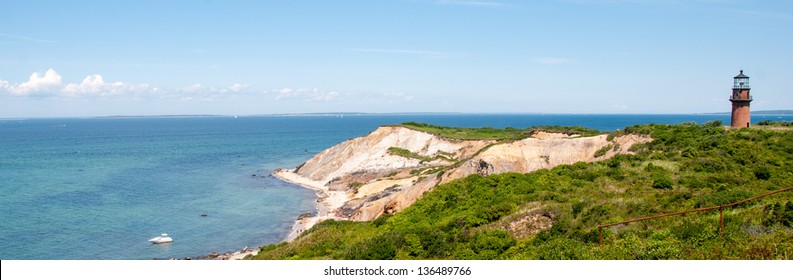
101	58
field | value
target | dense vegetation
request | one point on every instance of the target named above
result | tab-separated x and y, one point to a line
687	166
509	133
397	151
775	123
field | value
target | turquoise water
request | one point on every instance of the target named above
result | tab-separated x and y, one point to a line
100	188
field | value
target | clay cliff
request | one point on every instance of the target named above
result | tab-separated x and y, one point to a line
389	169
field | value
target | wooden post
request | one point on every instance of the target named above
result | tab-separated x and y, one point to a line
721	220
600	236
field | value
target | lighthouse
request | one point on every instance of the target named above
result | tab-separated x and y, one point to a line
740	99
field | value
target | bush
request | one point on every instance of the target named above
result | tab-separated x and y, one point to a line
709	164
562	249
762	173
397	151
653	168
492	243
713	123
602	151
723	197
663	250
355	186
662	182
695	233
779	213
380	247
577	207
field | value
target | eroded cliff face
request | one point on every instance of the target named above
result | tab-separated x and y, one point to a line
364	159
535	153
361	179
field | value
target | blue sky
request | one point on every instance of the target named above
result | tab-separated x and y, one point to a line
93	58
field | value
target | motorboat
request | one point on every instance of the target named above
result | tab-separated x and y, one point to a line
163	238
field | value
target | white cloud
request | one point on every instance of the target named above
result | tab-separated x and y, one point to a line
193	88
325	96
552	60
305	94
207	91
35	84
237	87
51	85
95	85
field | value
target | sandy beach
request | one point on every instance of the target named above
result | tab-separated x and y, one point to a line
327	201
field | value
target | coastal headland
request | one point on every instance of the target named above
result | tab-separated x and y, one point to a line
386	171
393	194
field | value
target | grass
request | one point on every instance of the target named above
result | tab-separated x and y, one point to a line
407	154
489	133
485	133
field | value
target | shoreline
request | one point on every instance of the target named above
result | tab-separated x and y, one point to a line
326	203
230	255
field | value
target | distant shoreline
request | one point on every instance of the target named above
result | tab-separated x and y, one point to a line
343	114
761	112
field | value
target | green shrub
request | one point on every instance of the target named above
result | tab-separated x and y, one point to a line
602	151
397	151
695	233
690	153
663	250
355	186
723	197
596	213
653	168
713	123
492	243
779	213
709	164
381	247
762	173
662	182
577	207
563	249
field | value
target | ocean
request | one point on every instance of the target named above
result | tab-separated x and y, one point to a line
99	188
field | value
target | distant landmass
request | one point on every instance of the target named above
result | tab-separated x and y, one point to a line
153	116
761	112
342	114
774	112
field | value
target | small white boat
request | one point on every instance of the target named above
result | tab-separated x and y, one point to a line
163	238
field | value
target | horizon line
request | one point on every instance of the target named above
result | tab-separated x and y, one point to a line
768	112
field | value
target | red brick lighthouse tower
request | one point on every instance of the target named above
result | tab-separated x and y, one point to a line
740	99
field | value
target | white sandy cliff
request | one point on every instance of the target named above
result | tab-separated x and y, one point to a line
360	179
